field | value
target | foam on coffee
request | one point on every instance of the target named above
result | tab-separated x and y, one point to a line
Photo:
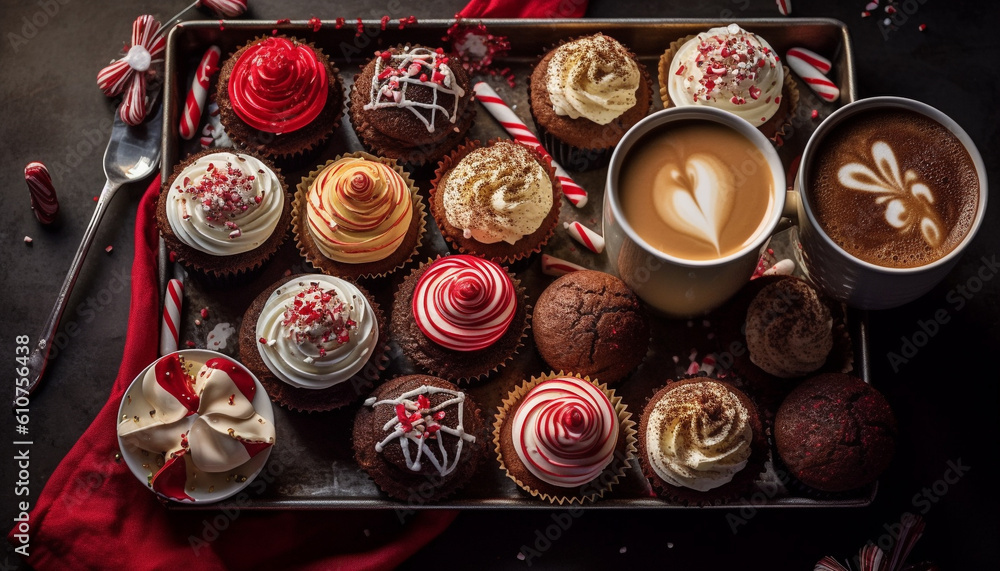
696	190
893	188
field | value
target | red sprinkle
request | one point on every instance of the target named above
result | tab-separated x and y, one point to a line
189	344
360	28
890	10
204	313
339	23
96	198
109	248
262	340
865	14
315	23
284	21
814	114
922	27
172	256
385	22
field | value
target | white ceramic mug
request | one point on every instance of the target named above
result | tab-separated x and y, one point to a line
675	286
856	282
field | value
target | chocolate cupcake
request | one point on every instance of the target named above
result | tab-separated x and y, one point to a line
734	70
420	438
701	442
591	323
409	104
499	201
358	216
563	438
224	213
279	96
460	317
835	433
584	95
315	342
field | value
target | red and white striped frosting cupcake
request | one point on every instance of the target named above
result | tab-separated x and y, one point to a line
464	303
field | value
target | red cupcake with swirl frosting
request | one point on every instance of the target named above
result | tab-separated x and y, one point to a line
460	317
279	96
563	438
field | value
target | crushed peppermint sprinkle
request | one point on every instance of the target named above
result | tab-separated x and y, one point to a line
28	240
224	193
317	316
727	63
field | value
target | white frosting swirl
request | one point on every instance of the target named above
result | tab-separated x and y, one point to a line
594	78
225	203
698	436
727	68
316	331
497	193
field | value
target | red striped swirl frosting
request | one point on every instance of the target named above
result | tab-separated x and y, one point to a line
278	85
464	303
359	210
565	431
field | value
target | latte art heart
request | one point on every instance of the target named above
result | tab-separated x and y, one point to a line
696	198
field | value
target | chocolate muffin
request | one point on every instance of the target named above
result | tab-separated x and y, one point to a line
419	437
835	432
409	104
460	317
592	324
789	329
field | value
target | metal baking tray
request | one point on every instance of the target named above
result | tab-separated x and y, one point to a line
312	464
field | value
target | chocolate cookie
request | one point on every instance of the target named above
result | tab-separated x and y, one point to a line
835	432
592	324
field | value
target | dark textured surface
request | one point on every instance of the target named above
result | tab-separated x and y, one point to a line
53	112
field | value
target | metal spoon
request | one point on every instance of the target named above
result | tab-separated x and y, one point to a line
133	153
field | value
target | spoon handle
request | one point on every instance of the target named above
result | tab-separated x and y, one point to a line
40	356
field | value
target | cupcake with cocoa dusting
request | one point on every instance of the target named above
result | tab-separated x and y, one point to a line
279	96
701	442
591	323
835	433
410	104
499	201
734	70
584	95
460	317
358	216
224	213
420	438
315	342
564	438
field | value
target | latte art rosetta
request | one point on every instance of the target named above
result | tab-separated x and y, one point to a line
696	198
908	202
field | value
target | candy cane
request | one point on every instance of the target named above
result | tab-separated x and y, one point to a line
43	195
823	87
170	329
517	129
590	239
199	91
784	6
812	58
227	8
553	266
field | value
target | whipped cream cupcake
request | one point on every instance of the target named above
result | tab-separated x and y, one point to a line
224	212
417	430
279	96
499	201
701	442
460	317
734	70
563	438
358	216
584	95
195	426
315	341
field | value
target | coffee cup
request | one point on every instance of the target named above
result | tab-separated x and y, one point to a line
891	191
692	194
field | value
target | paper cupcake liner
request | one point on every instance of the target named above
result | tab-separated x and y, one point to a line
460	367
742	484
775	129
416	157
287	145
500	252
312	400
581	158
223	271
592	491
402	255
415	487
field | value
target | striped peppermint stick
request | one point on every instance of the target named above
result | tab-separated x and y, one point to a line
43	195
553	266
170	329
812	58
784	6
195	103
590	239
517	129
814	78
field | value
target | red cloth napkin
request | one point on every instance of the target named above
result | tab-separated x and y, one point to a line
523	9
94	514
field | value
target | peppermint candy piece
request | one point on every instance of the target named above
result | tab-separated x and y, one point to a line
814	78
128	74
810	57
553	266
590	239
226	8
195	103
43	195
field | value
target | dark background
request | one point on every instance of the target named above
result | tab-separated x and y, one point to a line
945	396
